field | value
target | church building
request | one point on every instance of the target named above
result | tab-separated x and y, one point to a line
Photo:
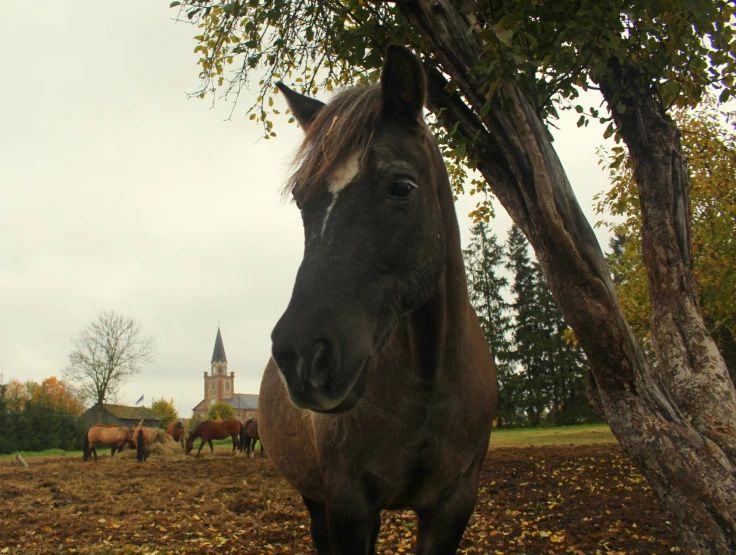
220	386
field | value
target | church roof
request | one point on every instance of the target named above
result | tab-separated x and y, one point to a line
218	355
243	401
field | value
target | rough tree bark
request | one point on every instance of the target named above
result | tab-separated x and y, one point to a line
677	422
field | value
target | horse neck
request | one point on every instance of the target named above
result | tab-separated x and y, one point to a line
436	328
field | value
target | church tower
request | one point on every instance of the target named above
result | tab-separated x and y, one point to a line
218	385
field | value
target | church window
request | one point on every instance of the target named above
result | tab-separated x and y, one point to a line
213	386
227	386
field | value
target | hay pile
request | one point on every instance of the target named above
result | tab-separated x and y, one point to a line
163	446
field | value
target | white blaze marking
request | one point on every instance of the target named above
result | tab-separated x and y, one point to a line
344	174
341	178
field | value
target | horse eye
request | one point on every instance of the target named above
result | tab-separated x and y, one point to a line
401	188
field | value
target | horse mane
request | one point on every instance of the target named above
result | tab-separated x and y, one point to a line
345	125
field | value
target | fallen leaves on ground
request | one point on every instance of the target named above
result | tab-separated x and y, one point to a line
544	500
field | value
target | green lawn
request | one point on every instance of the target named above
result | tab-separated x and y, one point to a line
562	435
47	453
500	438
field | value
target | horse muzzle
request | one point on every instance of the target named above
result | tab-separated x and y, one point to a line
316	376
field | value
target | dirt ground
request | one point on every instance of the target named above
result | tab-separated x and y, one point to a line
539	500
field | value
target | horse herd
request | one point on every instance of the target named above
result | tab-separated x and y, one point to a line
243	435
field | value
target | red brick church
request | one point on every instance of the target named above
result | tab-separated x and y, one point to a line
219	386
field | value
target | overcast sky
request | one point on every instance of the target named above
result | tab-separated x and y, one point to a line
118	192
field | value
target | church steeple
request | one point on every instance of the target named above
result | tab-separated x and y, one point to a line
218	384
218	355
219	360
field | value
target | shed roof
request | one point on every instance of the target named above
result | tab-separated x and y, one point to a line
128	413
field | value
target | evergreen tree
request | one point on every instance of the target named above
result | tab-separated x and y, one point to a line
551	370
529	335
565	360
484	259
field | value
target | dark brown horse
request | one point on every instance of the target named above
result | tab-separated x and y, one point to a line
217	429
113	435
251	437
381	390
142	440
177	431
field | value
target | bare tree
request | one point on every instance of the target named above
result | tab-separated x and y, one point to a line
106	353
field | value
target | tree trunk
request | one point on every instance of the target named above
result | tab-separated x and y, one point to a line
687	464
689	361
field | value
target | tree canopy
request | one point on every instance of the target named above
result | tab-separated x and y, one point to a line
106	353
221	411
165	410
551	50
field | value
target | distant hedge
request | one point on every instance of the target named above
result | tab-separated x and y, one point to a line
37	427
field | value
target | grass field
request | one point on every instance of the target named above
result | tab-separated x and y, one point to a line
47	453
585	434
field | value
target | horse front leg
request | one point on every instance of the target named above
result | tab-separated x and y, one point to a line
235	444
352	527
441	528
212	448
201	444
318	526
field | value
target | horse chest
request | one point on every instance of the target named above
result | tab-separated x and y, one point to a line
419	465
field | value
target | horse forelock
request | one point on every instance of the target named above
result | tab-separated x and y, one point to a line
342	128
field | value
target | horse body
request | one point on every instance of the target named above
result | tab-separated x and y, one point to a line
217	429
251	437
112	435
176	430
381	390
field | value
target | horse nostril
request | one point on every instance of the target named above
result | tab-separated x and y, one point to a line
321	366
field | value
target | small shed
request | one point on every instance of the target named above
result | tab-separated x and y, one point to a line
122	415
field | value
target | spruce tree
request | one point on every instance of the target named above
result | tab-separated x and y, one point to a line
528	331
484	259
565	363
551	369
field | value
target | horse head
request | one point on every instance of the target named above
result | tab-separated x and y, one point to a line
189	444
374	239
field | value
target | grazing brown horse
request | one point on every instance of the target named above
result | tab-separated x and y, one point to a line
381	390
217	429
113	435
251	437
142	439
177	431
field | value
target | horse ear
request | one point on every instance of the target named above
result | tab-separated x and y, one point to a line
403	84
304	108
